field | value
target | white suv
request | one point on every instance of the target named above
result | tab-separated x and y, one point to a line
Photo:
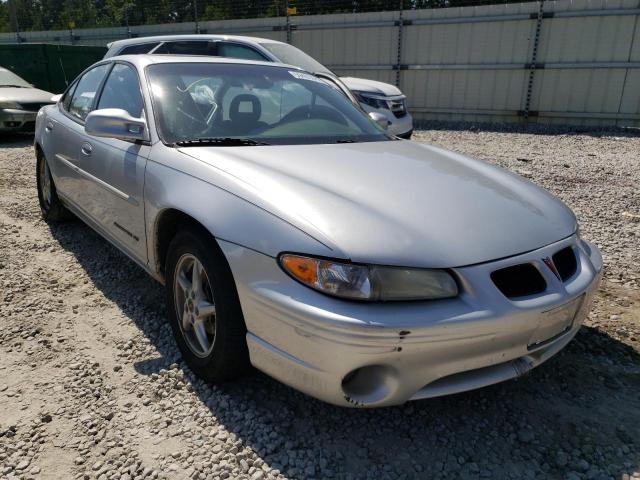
373	96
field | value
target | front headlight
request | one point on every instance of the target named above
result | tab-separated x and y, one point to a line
373	100
11	105
369	282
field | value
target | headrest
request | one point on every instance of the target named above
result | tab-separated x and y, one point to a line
245	107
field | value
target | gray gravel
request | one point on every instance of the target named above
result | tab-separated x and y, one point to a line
92	386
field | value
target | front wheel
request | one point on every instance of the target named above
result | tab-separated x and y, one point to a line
204	309
51	207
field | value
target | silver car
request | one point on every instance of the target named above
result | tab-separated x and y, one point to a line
373	96
19	102
292	233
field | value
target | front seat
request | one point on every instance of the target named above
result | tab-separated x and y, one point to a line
244	114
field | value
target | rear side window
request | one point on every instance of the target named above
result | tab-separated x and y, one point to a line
85	93
196	47
234	50
122	90
138	49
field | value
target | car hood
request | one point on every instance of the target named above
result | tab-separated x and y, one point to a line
395	202
25	95
364	85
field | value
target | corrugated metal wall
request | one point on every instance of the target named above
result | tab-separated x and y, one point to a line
565	61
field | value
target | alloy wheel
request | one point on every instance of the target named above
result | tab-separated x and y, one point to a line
45	183
194	305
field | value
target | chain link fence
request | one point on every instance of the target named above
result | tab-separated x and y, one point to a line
42	15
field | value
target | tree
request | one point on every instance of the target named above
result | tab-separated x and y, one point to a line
79	14
60	14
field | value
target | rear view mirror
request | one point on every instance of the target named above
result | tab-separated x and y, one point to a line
379	119
116	123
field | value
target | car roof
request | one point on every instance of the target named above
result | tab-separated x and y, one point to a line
142	60
164	38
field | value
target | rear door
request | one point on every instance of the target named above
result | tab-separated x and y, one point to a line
65	135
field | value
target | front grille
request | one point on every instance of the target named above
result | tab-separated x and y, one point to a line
32	106
566	263
398	108
519	280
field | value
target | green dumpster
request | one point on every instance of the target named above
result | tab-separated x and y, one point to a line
48	67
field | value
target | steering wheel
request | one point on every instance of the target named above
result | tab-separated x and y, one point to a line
319	112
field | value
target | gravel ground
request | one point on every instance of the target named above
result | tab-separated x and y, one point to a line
91	384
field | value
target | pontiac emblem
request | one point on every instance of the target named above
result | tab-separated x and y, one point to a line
552	266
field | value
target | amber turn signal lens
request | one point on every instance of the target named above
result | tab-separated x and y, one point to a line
302	268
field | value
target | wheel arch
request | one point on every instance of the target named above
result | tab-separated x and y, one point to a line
167	224
38	149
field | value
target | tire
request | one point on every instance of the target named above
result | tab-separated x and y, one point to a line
51	207
228	356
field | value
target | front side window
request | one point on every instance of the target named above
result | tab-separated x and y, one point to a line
274	105
84	94
235	50
122	90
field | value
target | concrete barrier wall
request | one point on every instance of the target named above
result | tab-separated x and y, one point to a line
565	61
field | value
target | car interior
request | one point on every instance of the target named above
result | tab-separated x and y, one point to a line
200	106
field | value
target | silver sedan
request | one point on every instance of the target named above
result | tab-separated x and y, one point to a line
294	234
19	103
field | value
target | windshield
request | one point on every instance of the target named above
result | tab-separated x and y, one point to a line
294	56
266	104
9	78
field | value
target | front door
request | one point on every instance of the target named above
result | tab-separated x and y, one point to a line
115	168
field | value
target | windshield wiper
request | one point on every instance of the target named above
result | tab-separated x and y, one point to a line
14	86
220	142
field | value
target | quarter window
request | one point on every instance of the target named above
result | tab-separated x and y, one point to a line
137	49
234	50
82	100
66	101
122	90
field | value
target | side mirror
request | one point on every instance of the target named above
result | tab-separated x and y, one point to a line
116	123
379	119
56	98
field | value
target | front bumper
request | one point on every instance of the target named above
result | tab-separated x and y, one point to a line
378	354
13	120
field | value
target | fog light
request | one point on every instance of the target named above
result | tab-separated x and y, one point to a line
369	385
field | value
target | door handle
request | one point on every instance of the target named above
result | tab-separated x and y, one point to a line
86	148
49	126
